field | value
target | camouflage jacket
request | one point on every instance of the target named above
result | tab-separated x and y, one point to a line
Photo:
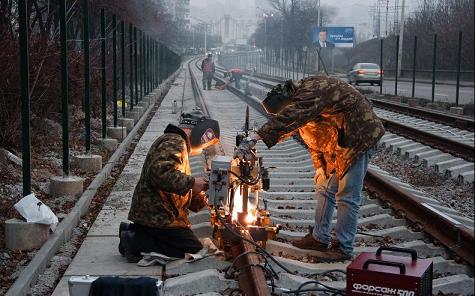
336	122
163	196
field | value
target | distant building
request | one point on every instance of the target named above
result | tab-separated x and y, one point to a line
362	33
262	6
180	10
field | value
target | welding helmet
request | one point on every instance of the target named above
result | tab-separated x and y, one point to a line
279	97
205	132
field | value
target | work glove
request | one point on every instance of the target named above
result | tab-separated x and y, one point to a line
244	151
198	202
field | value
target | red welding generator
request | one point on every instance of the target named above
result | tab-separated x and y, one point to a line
386	275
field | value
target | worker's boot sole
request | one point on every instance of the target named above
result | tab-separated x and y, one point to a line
124	226
125	238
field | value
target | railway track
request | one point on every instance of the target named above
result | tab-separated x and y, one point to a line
412	133
382	220
290	202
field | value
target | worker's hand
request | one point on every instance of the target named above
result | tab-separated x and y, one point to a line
244	151
201	184
319	173
256	137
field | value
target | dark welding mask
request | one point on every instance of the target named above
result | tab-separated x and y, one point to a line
205	132
278	98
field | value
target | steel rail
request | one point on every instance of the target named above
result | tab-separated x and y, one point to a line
461	122
464	123
444	144
197	90
448	145
450	233
447	231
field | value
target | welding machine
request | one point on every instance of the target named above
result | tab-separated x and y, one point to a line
233	183
384	275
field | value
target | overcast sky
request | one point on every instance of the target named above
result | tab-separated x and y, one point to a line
350	12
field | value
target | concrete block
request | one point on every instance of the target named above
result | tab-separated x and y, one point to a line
66	186
412	152
394	145
198	282
401	150
457	110
119	133
413	102
396	99
24	236
430	161
457	170
442	166
127	122
424	154
466	177
139	109
133	115
87	162
109	144
144	104
459	284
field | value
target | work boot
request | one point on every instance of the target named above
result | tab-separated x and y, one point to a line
126	238
335	254
124	226
309	243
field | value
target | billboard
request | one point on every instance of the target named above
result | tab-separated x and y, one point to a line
333	36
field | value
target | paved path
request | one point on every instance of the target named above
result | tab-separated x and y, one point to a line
98	255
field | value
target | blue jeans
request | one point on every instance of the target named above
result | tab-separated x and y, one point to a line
346	195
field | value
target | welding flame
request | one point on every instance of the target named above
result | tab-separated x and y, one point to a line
251	209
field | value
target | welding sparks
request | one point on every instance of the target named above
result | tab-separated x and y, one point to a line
251	209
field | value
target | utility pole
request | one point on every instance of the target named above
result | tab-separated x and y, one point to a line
206	38
401	34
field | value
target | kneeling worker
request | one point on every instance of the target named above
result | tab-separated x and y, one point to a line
166	192
340	128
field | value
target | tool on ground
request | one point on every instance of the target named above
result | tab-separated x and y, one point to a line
379	274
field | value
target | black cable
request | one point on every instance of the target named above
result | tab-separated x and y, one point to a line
329	273
299	289
250	182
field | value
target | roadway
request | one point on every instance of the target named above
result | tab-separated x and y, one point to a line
444	91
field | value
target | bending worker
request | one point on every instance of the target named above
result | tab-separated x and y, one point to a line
166	192
340	128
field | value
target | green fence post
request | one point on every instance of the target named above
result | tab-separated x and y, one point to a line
414	61
103	75
459	62
64	85
381	62
434	61
136	66
114	66
87	82
143	65
131	66
397	65
23	24
122	55
25	96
